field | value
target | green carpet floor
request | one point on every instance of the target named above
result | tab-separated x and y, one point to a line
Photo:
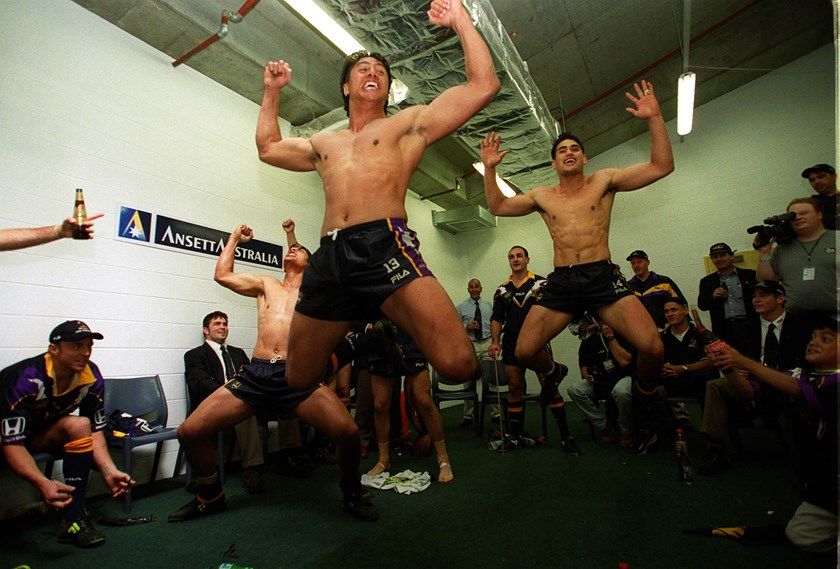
527	509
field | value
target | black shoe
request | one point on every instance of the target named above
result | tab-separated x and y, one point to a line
195	509
323	455
359	504
716	462
642	443
510	444
466	422
80	532
252	481
570	447
550	383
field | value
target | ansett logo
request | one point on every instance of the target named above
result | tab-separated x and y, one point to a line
135	224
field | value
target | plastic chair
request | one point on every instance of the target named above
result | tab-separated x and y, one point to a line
141	397
494	389
444	389
47	458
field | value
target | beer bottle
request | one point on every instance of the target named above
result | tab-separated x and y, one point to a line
684	468
79	216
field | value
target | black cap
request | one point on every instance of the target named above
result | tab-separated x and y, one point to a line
71	331
637	253
818	168
770	286
720	247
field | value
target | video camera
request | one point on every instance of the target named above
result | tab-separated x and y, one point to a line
778	227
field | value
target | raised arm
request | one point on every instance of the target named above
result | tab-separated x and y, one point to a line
295	154
11	239
245	284
497	202
458	104
765	271
289	228
661	157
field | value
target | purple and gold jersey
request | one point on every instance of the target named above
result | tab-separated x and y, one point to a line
31	401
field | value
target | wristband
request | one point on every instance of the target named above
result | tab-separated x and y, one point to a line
58	233
765	259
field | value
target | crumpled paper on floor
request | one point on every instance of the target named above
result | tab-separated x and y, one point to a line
405	482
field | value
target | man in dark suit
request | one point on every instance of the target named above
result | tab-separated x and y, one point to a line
775	338
726	293
207	368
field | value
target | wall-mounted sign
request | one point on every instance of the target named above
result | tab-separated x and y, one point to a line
148	228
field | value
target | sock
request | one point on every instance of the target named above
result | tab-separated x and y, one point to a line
558	409
516	416
645	409
77	462
342	356
351	484
209	488
550	370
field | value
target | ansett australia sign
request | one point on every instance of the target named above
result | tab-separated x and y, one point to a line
149	228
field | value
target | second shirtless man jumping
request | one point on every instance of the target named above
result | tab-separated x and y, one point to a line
577	213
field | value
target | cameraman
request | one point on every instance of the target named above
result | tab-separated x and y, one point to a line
806	264
823	178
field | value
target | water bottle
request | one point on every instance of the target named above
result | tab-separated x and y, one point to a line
684	469
229	566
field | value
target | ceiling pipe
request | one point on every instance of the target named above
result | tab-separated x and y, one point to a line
624	82
227	16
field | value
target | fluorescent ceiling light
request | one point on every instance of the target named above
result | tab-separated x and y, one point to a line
321	21
506	190
685	103
340	38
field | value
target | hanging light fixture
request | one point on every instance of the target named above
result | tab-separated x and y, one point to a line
340	38
503	186
686	82
685	103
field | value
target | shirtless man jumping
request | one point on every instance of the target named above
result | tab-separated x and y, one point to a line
369	260
577	213
260	386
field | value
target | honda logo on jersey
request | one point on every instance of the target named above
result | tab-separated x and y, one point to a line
13	426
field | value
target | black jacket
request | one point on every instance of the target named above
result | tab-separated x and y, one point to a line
204	372
796	333
709	283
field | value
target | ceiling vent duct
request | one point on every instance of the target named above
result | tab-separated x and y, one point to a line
470	218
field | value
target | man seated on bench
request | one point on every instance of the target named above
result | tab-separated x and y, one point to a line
39	395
